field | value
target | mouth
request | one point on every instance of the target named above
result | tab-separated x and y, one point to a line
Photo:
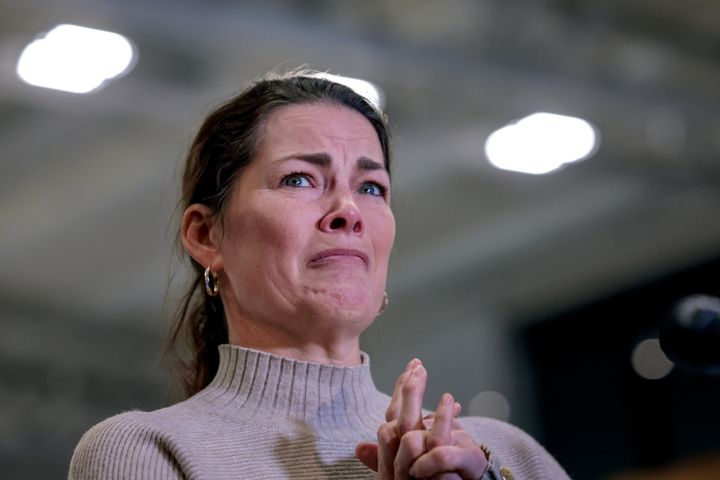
338	254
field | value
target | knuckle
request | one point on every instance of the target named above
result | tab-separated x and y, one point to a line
385	433
443	415
406	441
433	442
413	442
404	426
443	457
409	387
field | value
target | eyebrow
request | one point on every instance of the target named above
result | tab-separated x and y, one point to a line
319	159
365	163
324	160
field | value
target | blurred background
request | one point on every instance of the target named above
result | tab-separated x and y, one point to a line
535	298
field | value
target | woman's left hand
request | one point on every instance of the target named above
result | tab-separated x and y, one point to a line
436	447
450	452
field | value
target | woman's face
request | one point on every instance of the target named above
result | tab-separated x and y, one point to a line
308	229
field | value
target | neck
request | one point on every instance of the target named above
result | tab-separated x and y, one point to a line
317	347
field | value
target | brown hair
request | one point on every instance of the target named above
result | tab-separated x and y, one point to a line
226	143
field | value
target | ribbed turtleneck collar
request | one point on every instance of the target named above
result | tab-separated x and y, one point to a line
255	384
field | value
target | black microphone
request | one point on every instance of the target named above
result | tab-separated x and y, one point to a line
690	336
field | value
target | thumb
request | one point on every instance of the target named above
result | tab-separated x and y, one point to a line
367	453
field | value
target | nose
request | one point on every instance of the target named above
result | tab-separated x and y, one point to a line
344	216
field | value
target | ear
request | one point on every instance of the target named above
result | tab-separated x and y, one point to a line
200	232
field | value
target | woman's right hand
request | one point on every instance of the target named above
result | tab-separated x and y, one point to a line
403	414
396	450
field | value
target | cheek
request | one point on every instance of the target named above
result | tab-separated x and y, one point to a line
385	226
257	237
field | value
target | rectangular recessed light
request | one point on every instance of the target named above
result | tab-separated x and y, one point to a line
75	59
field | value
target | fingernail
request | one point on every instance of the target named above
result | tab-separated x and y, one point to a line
447	399
411	364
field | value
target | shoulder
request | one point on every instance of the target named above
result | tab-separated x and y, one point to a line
124	446
513	448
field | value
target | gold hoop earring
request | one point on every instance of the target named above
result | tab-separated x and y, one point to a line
384	304
212	283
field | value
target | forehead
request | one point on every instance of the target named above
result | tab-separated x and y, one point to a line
319	127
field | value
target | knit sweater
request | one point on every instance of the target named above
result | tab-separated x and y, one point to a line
266	416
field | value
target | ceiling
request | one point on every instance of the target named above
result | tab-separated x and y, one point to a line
89	181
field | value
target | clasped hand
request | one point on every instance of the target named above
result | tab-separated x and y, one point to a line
412	446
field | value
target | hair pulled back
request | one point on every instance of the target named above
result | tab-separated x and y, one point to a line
225	144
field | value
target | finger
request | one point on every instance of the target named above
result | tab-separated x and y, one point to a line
410	417
412	445
468	462
457	409
459	436
388	443
462	439
367	453
428	423
440	434
393	409
446	476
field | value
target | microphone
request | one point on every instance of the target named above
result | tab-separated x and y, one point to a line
690	336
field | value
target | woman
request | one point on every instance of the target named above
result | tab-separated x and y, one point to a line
288	224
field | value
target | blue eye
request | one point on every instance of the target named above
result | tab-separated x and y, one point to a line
372	188
296	180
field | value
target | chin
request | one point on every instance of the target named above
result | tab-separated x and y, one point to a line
345	300
352	306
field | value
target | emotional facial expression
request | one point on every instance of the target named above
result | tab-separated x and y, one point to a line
308	229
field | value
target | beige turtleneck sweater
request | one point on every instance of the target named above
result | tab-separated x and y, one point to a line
265	416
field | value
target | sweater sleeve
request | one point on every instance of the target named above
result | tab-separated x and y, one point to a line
513	450
120	448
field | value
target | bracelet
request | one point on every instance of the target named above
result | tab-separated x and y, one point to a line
488	454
